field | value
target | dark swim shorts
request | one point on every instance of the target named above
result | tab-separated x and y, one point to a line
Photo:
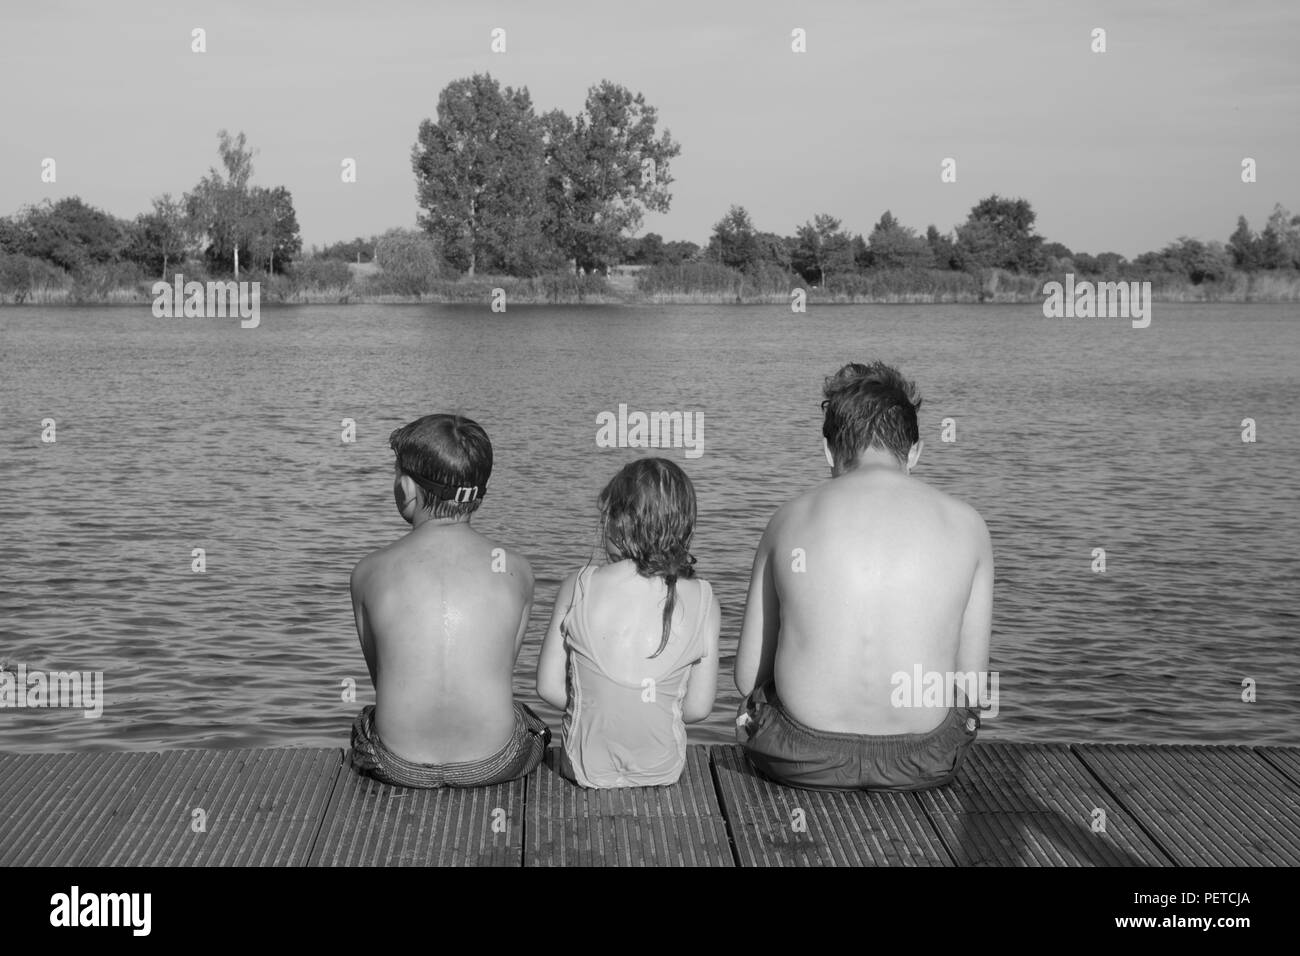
792	753
521	754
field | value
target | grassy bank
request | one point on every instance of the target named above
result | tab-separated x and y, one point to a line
711	283
336	283
319	282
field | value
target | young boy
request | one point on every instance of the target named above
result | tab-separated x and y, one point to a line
441	614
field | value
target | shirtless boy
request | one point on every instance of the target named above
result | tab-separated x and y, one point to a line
441	614
866	579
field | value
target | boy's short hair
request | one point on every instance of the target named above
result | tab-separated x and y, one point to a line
869	406
449	457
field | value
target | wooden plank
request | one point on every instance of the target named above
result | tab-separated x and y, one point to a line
1034	805
54	808
1286	760
774	825
1012	804
259	808
1207	806
681	825
372	824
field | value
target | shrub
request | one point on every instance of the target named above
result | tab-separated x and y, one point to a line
409	263
21	276
99	281
710	278
320	273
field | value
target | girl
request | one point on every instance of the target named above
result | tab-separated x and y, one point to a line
632	649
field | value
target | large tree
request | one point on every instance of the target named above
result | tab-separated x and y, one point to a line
1244	247
219	207
1198	261
11	235
942	248
605	168
773	250
892	245
822	247
232	218
999	233
274	238
159	237
647	250
70	234
480	180
734	242
1279	243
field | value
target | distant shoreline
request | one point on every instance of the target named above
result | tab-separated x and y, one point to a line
365	284
125	298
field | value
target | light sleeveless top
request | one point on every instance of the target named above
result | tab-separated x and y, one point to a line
627	733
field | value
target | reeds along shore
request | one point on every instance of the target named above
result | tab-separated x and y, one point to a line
675	285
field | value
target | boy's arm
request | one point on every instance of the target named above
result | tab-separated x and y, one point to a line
756	648
552	662
702	684
519	565
977	619
357	587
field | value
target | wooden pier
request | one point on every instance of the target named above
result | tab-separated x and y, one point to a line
1013	805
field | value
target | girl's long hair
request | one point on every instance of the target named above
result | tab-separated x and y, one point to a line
647	514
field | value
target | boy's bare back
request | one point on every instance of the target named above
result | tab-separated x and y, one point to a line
441	613
885	587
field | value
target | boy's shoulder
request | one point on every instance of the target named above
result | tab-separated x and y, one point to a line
961	512
794	511
379	562
366	566
394	561
509	561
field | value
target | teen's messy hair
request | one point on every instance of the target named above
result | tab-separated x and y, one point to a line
869	406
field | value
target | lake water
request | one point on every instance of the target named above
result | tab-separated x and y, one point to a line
1072	434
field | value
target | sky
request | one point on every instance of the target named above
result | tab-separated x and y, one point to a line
1119	151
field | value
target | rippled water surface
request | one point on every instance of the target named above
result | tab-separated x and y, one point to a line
1071	435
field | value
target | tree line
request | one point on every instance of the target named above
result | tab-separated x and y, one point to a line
222	221
998	233
502	190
